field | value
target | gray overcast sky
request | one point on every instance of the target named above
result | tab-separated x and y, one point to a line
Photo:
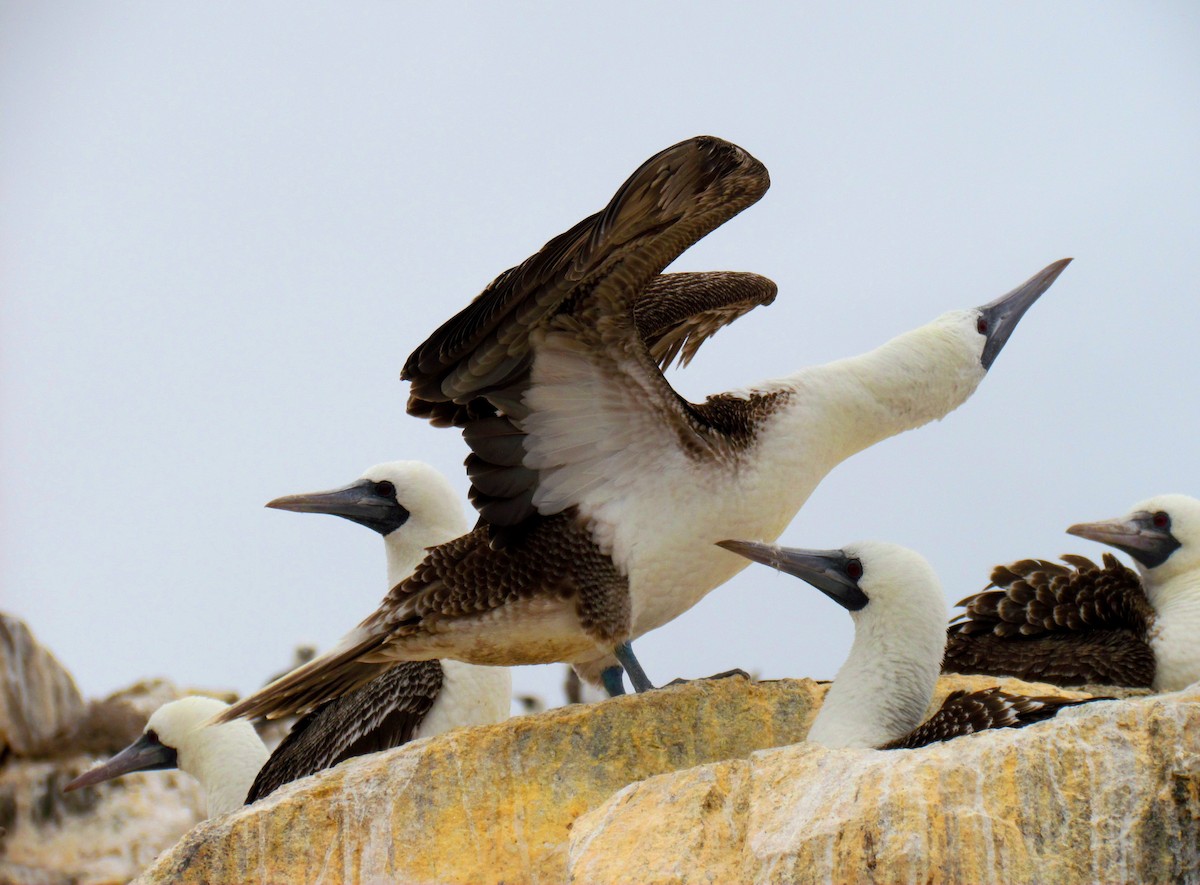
225	226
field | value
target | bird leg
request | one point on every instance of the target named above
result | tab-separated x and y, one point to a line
637	676
614	684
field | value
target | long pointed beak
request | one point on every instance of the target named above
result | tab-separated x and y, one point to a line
1136	535
144	754
824	569
358	502
1003	314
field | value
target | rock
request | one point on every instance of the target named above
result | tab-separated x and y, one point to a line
488	804
39	703
102	834
1107	792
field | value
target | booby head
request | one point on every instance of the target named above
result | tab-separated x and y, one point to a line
408	495
383	499
224	758
893	595
1162	534
995	321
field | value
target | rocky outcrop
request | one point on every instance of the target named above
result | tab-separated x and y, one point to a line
1108	792
39	703
489	804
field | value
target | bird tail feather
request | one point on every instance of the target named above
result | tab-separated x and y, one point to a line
324	678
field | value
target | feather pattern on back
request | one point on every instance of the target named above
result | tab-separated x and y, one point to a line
382	714
964	713
1067	624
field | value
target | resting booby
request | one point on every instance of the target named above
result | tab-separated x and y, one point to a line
882	691
223	758
601	491
413	507
1079	623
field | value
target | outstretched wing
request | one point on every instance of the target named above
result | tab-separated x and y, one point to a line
1070	624
382	714
546	369
964	713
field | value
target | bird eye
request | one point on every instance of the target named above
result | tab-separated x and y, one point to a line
854	569
1161	520
385	489
981	325
152	736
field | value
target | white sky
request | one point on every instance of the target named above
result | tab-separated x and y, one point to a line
225	226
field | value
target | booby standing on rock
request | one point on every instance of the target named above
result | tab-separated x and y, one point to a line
223	758
413	507
1080	623
602	491
882	691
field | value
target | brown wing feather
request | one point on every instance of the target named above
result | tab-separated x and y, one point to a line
1067	624
589	281
382	714
964	713
678	312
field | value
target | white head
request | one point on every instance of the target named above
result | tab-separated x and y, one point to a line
408	502
895	599
1162	534
223	758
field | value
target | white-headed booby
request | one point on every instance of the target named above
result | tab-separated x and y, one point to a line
1079	623
223	758
602	491
413	507
882	691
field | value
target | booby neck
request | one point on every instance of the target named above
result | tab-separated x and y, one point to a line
224	758
843	407
883	689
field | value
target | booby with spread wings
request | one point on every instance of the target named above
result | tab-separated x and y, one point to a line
601	491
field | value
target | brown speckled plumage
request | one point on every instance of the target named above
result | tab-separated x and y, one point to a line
965	713
1072	624
380	715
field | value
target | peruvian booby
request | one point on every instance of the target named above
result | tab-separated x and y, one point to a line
882	691
1080	623
601	491
413	507
224	758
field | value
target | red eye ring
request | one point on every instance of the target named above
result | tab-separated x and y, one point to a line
385	489
981	326
854	569
1161	520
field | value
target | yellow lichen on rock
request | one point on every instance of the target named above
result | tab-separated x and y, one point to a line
490	804
1108	792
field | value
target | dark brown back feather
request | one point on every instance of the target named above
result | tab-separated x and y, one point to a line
382	714
964	713
1070	624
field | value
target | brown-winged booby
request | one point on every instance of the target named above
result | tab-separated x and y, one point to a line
601	491
882	691
1081	623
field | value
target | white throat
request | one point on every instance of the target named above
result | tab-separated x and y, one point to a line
225	759
883	689
1175	634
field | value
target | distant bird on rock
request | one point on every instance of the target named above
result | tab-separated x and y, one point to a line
1080	623
882	691
224	758
601	491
